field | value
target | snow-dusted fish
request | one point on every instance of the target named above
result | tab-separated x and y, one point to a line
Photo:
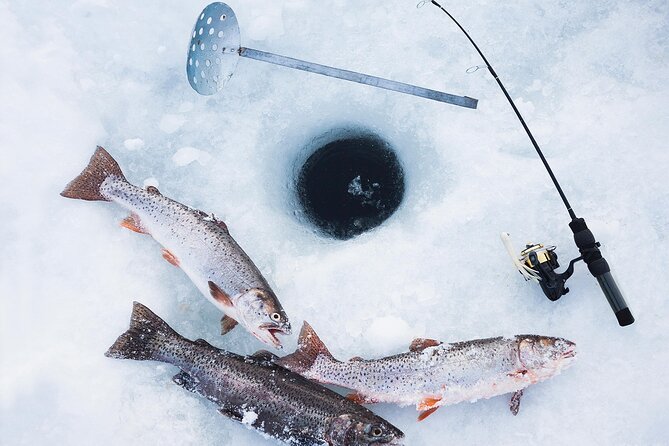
433	374
196	242
253	390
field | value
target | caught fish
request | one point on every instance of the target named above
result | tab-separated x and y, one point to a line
194	241
434	374
253	390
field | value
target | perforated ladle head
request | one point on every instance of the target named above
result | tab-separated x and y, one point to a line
216	44
213	51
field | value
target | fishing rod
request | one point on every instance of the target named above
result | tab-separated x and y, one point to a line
538	262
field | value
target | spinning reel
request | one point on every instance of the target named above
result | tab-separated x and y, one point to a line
539	263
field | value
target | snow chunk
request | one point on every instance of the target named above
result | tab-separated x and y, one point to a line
187	155
170	123
249	418
389	333
133	143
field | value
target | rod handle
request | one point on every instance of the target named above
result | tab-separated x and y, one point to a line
599	267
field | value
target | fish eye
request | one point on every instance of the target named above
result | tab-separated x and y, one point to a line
276	317
376	431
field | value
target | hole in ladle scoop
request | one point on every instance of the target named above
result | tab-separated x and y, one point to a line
350	185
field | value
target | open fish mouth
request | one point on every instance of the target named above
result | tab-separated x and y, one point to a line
569	353
268	334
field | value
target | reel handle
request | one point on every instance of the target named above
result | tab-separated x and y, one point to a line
599	267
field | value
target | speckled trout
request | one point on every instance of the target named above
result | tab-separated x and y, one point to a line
433	374
253	390
194	241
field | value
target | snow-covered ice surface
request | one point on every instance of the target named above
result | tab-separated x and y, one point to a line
592	79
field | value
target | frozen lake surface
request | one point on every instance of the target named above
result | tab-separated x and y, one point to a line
592	79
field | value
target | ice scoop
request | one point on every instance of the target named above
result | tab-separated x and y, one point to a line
215	48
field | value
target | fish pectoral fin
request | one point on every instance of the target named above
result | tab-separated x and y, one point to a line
428	403
167	255
232	414
186	381
427	413
359	398
219	295
227	324
420	344
153	190
514	404
133	223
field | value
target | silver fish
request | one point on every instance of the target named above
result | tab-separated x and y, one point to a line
253	390
433	374
196	242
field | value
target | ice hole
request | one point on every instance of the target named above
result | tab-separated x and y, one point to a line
350	185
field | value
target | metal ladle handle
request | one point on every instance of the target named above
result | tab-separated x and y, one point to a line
263	56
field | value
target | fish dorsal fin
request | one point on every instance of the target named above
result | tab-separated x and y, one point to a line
153	190
203	342
227	324
309	348
420	344
133	223
219	295
264	355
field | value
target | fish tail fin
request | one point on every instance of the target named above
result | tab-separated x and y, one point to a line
145	339
309	348
86	186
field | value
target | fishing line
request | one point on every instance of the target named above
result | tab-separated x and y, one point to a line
542	261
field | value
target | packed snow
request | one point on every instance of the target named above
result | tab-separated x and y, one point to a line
592	79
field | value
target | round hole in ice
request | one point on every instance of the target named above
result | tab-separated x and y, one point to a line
209	21
223	17
197	63
350	185
192	48
218	60
200	31
220	34
195	79
214	47
211	31
207	62
194	33
190	61
203	74
202	46
202	16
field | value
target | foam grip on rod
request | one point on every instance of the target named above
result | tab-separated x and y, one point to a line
615	298
599	268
